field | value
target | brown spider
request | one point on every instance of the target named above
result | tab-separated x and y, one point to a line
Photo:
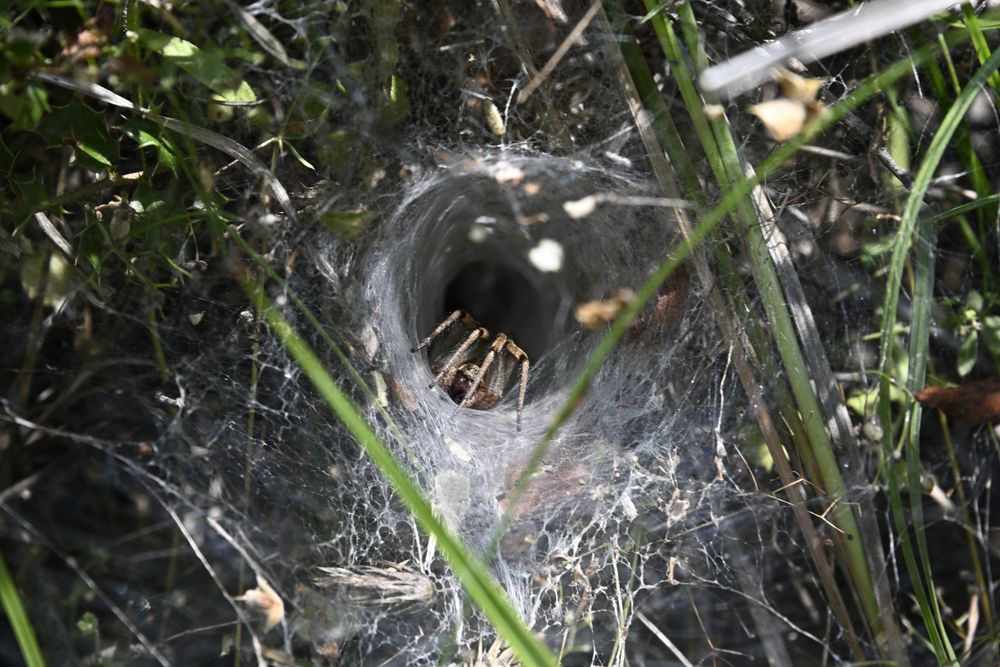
468	382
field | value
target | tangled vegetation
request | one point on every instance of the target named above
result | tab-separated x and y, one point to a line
770	440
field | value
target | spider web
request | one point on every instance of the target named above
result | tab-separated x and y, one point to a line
646	519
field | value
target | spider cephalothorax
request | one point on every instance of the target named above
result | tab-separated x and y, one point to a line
476	366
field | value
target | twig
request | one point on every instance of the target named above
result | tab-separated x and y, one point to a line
563	49
50	231
88	190
663	639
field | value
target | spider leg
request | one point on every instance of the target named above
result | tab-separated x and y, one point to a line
520	355
475	335
437	332
497	346
524	388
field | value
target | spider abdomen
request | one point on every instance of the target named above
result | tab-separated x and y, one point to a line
458	388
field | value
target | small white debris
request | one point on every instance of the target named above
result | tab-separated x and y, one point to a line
533	219
375	178
381	390
482	228
580	208
167	400
620	159
628	507
478	233
195	318
597	313
798	88
508	174
714	112
370	341
457	450
547	256
493	118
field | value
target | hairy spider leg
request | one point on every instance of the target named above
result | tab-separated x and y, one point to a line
437	332
497	346
481	332
524	382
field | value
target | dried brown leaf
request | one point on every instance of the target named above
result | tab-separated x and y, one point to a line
976	402
798	88
783	118
265	599
595	314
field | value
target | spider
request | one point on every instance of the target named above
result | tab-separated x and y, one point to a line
469	382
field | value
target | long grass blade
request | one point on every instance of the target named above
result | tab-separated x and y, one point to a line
865	90
482	588
920	572
18	619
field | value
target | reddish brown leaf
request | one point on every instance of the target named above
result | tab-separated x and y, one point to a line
975	402
670	303
667	312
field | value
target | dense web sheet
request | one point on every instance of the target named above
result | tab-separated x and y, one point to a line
652	533
638	455
635	484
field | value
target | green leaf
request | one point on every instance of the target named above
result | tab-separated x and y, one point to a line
298	156
349	224
207	68
335	148
94	154
967	352
25	108
92	246
399	101
82	127
991	333
31	193
151	135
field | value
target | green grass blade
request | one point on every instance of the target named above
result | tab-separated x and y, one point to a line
731	199
979	43
482	588
724	159
331	344
18	619
965	208
919	573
